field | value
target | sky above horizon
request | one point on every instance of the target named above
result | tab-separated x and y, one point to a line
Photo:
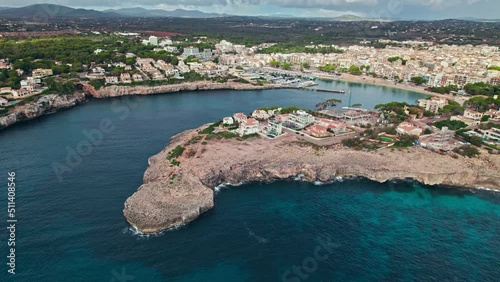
387	9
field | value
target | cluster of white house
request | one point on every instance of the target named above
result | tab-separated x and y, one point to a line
273	123
472	117
29	85
491	135
161	70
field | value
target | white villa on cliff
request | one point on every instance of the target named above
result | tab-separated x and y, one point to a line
407	128
249	126
240	117
260	114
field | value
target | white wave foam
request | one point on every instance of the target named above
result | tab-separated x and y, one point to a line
487	189
132	230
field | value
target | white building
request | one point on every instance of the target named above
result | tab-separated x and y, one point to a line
240	117
300	119
260	114
111	79
250	126
274	129
125	77
19	93
407	128
228	121
137	77
191	51
39	73
433	104
492	134
153	40
471	114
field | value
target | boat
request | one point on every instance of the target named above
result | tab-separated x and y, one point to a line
307	84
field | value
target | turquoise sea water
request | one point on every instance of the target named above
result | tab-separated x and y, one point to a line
73	229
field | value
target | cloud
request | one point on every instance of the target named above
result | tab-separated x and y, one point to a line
395	9
441	4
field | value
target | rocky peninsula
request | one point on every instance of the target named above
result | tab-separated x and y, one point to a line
51	103
180	180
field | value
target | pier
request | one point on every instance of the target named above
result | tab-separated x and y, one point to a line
323	90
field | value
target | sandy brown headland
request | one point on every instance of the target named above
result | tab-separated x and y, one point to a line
178	190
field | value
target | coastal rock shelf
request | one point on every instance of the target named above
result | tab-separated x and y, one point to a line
53	102
176	194
122	90
44	105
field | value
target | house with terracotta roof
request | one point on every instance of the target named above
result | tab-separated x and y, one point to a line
318	131
493	114
240	117
333	125
472	114
407	128
260	114
282	118
249	126
125	77
137	77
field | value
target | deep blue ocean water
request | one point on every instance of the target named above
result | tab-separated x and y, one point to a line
73	229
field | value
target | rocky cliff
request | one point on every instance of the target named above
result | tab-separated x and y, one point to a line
52	102
41	106
121	90
172	195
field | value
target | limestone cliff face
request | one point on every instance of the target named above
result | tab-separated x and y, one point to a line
52	102
43	105
120	90
165	200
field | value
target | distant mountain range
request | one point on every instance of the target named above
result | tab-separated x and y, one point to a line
58	11
179	13
52	11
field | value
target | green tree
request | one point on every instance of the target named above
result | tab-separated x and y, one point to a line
418	80
354	70
453	108
286	66
274	64
485	118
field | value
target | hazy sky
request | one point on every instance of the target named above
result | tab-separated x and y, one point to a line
392	9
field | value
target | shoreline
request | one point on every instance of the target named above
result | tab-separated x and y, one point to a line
35	109
178	192
364	79
53	103
218	189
